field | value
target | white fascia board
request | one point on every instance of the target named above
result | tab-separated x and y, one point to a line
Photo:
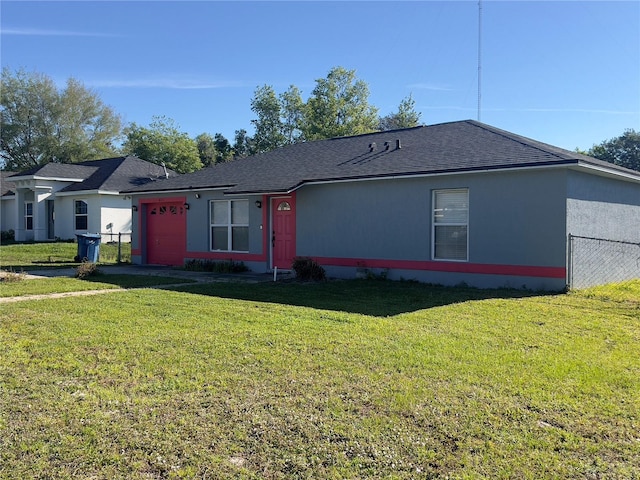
604	171
155	193
428	175
76	193
49	179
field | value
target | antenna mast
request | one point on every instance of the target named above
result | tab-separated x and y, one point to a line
479	57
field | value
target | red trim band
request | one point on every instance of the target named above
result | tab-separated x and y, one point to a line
453	267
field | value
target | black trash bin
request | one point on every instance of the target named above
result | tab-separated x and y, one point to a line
88	247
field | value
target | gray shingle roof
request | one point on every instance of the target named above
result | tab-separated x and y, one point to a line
6	187
109	174
464	146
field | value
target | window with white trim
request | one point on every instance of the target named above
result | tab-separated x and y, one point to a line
229	225
450	235
28	215
81	215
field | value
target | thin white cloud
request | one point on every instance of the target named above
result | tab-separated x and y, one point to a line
538	110
430	86
165	83
41	32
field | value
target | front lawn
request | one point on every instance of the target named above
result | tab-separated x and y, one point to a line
17	286
355	379
56	254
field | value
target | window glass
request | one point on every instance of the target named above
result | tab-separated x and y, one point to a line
81	207
81	220
451	207
239	212
220	212
230	225
450	224
284	206
451	243
219	238
28	216
240	238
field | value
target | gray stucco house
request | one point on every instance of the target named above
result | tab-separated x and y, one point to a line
448	203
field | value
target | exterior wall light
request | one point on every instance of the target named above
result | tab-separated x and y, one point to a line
134	208
258	204
186	206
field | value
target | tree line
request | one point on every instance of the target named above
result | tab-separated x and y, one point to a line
41	123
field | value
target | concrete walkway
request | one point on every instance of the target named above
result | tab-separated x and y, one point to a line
156	271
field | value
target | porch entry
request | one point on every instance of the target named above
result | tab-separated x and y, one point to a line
283	232
166	233
51	233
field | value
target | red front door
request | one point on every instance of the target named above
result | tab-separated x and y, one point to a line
283	235
166	233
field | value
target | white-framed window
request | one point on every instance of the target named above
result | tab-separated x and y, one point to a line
81	216
28	215
450	234
229	225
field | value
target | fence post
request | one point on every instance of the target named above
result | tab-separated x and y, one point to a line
570	261
119	247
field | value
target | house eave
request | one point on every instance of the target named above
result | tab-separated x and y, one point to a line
49	179
86	192
605	171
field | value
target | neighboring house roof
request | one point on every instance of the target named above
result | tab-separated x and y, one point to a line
463	146
6	187
110	174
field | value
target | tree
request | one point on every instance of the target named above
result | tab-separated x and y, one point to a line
41	124
623	150
242	144
268	127
292	115
223	147
405	117
162	143
338	107
206	149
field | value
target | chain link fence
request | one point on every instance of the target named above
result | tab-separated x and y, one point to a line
596	261
116	247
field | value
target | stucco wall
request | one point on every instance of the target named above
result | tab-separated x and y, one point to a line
516	219
603	207
8	220
198	226
603	217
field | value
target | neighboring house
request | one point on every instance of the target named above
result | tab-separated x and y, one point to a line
61	200
453	203
7	202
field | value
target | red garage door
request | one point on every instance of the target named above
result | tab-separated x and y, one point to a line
166	233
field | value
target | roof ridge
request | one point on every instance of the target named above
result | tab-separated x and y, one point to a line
522	140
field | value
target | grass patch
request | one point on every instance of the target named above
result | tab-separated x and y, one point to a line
44	286
56	254
166	384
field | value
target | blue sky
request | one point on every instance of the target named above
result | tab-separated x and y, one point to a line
566	73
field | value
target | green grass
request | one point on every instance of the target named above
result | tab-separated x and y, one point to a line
55	254
42	286
359	379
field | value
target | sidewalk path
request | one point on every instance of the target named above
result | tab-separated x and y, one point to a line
200	277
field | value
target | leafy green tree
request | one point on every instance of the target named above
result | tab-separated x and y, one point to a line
42	124
243	144
405	117
623	150
338	107
292	114
223	147
268	127
163	143
206	149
